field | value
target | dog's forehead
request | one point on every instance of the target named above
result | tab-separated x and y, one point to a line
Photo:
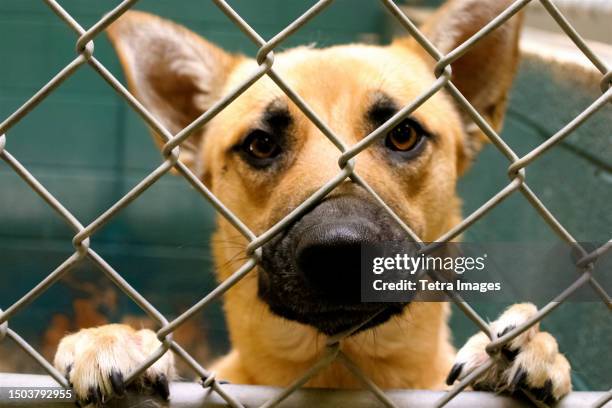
337	73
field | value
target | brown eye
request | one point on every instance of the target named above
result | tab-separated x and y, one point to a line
261	145
404	137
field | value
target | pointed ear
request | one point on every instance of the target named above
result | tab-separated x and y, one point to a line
172	71
485	73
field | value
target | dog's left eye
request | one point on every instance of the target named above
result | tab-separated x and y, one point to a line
260	145
405	137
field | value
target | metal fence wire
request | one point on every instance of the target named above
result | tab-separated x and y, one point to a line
346	164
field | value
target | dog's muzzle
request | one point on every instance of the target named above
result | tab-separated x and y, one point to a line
312	272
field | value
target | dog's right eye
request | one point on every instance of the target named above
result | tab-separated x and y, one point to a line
261	147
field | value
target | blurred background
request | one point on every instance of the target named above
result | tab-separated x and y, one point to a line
88	148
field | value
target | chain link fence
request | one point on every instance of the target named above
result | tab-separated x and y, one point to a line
346	165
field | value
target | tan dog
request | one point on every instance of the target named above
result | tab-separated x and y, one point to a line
262	158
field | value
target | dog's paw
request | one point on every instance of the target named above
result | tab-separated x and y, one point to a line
95	362
535	364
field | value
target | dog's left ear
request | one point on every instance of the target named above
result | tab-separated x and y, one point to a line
173	72
485	73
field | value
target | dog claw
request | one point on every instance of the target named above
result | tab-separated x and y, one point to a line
518	379
67	372
161	386
94	396
544	393
509	353
101	397
454	373
506	330
91	397
116	380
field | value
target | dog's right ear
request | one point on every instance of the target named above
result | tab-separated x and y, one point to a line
172	71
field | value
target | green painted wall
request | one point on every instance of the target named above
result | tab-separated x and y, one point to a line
88	149
574	180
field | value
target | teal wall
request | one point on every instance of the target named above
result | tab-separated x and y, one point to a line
573	180
88	149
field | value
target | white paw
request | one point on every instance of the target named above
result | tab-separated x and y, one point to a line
96	361
535	364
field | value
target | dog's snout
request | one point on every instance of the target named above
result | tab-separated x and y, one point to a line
328	257
312	273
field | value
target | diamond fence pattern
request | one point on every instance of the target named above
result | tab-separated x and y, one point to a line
346	165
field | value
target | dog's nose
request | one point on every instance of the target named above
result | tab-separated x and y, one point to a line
328	257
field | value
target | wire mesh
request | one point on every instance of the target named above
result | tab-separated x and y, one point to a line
346	170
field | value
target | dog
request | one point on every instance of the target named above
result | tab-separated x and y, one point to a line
262	157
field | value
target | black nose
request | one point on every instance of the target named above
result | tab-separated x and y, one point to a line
329	258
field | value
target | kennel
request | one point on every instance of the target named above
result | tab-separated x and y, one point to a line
88	148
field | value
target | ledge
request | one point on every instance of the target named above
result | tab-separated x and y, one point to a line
192	395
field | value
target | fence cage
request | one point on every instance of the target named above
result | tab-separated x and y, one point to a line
212	392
